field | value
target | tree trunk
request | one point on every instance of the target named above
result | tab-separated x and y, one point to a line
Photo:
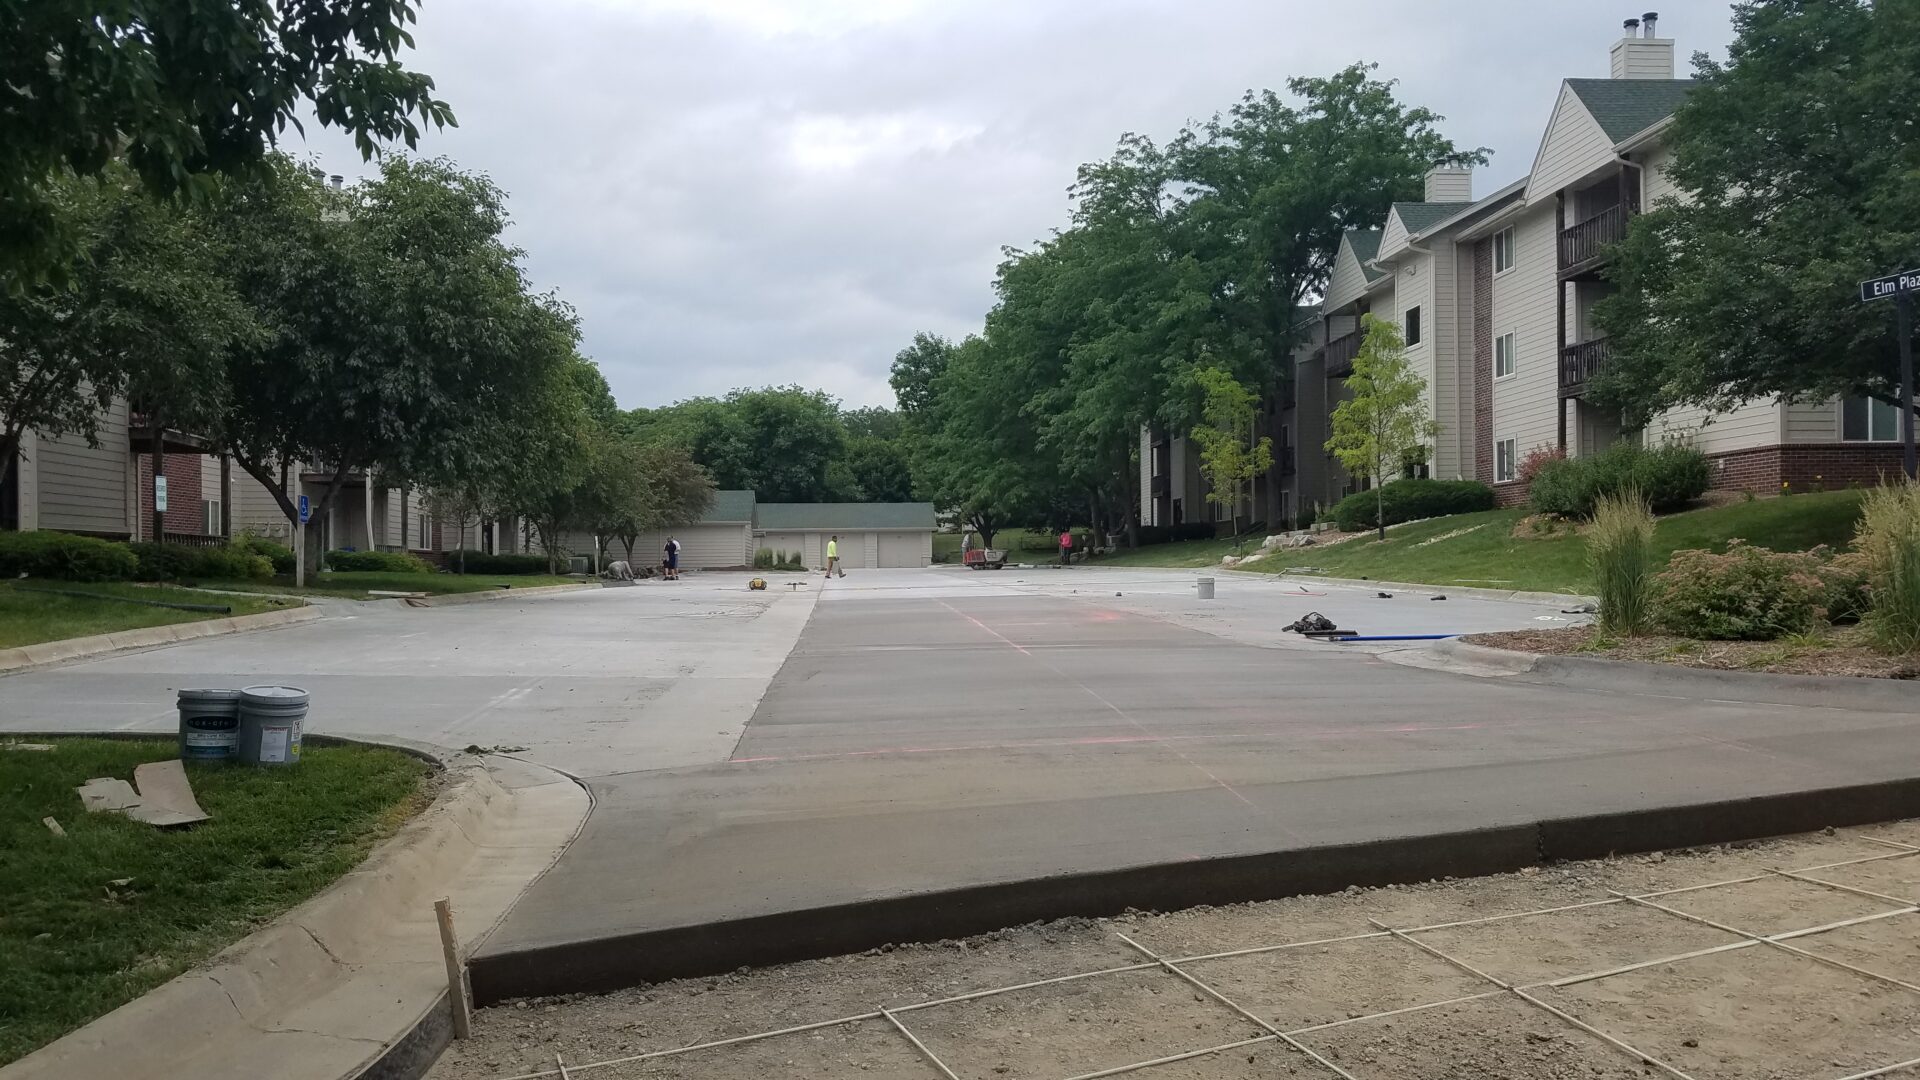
1380	507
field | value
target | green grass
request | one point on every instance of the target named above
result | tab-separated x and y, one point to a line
355	586
1491	556
1198	553
1021	545
29	617
73	945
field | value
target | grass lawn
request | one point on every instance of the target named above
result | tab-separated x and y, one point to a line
74	945
1195	553
29	617
1481	549
355	586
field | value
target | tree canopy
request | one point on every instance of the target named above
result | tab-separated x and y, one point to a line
1797	162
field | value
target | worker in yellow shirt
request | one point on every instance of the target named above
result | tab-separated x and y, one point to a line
833	557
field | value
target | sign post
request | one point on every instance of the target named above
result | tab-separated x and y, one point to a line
1900	287
300	543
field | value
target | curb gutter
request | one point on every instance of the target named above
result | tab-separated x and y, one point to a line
47	653
451	599
351	983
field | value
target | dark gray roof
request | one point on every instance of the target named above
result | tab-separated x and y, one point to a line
1366	246
1419	215
846	517
731	506
1627	107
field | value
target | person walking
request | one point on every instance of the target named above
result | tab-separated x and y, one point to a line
673	559
833	557
1066	547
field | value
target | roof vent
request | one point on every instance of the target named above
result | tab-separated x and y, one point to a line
1647	21
1632	27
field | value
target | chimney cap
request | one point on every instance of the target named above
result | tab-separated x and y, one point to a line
1630	26
1647	20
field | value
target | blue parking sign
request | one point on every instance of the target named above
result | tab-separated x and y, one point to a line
306	510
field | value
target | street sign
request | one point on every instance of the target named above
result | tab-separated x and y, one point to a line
160	494
1882	288
306	510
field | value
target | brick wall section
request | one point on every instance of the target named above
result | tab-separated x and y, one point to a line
1512	493
1483	362
183	493
1806	466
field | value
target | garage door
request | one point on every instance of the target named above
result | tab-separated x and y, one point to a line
790	542
905	549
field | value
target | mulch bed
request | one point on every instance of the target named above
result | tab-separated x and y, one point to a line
1841	650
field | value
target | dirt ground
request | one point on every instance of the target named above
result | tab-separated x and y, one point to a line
1839	650
1318	989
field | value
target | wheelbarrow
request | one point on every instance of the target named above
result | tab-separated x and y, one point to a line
984	559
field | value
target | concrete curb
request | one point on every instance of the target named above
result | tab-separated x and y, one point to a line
350	983
715	948
1593	673
48	653
451	599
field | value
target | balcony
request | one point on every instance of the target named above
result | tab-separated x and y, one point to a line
1162	485
1340	353
1583	246
1283	460
140	437
1580	363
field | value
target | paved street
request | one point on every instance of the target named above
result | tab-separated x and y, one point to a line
914	730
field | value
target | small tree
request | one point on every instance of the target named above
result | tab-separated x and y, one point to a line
1383	427
1229	454
462	507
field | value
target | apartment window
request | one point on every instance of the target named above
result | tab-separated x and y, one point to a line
1865	419
1503	460
1503	251
1413	326
1503	355
210	517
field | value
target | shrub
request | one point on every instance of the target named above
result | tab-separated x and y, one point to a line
1747	594
65	557
1305	518
280	555
1667	477
1889	538
480	562
386	562
176	562
1410	500
1846	587
1620	551
763	559
1536	460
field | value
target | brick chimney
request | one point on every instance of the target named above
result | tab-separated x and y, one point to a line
1450	183
1640	55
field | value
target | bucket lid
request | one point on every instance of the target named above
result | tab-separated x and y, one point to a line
209	694
273	695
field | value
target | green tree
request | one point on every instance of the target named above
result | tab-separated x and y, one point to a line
183	90
1230	455
1796	162
678	491
1383	426
915	370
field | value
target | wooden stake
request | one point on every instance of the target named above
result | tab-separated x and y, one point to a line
456	983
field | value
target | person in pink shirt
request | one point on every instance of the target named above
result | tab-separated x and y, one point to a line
1066	547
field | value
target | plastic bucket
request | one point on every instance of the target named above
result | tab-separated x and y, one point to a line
271	718
1205	586
209	725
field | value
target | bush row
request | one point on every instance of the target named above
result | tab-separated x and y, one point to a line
1410	500
1667	477
173	562
480	562
1168	534
390	562
65	557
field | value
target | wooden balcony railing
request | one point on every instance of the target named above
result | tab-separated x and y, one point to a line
198	540
1340	354
1585	244
1580	363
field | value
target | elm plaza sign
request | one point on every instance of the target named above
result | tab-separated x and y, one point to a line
1900	287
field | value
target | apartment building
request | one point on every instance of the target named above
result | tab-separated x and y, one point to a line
1495	298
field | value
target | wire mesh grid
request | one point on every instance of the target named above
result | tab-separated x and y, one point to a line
1290	1039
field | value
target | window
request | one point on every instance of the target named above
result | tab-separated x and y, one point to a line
210	517
1503	460
1503	355
1864	419
1413	326
1503	251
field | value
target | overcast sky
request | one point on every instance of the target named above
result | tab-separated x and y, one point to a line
753	192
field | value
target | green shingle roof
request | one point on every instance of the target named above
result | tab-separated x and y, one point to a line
846	517
731	506
1366	246
1627	107
1419	215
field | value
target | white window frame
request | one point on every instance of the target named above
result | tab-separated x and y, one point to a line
1513	364
1503	242
210	517
1507	470
1875	407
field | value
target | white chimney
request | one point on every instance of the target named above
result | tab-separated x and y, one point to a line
1450	183
1640	55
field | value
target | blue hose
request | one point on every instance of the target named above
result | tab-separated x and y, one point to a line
1396	637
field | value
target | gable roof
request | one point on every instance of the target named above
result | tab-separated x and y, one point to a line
730	506
845	517
1416	216
1626	107
1366	246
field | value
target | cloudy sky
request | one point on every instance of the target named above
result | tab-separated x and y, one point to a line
753	192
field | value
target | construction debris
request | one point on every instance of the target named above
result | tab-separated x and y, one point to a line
53	827
164	798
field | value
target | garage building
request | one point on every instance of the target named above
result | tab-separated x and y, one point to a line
871	534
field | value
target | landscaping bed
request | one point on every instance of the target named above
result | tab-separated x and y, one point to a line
29	616
1840	650
114	908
